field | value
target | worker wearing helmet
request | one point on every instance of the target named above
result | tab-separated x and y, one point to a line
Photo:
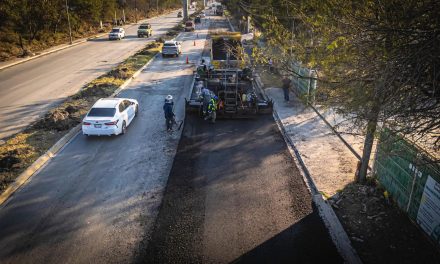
169	113
212	109
207	95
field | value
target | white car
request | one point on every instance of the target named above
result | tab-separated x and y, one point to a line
116	33
110	116
171	48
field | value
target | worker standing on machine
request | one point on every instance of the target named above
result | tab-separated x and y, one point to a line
212	109
206	94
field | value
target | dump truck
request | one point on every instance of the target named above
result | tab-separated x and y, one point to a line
226	50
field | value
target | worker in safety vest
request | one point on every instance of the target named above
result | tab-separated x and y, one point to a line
212	109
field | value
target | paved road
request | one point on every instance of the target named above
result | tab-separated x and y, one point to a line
28	90
234	195
95	200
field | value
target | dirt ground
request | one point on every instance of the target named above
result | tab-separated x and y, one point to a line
235	195
379	231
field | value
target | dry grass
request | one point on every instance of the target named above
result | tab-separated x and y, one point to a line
21	150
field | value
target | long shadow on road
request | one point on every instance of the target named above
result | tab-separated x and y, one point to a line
235	195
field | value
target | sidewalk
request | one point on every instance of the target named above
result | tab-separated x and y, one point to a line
329	161
377	229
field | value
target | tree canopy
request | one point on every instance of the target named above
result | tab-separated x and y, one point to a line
378	62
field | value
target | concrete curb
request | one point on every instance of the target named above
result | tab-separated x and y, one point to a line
331	221
40	162
59	145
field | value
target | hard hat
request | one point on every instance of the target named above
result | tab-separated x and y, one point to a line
215	97
169	97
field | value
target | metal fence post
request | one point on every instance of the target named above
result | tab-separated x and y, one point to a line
308	85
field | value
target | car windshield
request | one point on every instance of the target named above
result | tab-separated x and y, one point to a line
169	45
102	112
143	27
115	30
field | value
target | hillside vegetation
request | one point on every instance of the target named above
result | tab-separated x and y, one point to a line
29	26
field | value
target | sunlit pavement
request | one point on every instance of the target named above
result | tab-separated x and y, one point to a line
28	90
96	199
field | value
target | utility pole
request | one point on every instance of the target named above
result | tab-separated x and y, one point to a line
135	11
157	6
185	9
68	21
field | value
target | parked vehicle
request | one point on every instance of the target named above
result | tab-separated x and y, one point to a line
116	33
110	116
179	14
145	30
189	26
171	48
198	20
203	15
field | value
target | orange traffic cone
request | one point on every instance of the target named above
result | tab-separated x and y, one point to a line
187	61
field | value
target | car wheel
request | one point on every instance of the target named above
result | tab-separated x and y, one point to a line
124	128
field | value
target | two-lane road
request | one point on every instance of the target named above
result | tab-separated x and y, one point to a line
28	90
95	201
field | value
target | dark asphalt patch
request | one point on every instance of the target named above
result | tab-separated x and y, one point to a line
235	195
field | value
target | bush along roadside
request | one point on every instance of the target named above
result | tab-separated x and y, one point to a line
22	149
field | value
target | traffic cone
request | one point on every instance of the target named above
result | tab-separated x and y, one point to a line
187	61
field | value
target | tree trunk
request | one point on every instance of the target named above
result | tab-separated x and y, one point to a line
368	145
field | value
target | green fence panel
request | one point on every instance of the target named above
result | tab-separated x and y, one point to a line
303	85
412	179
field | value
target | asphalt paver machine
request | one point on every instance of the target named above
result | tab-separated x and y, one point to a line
236	92
227	78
